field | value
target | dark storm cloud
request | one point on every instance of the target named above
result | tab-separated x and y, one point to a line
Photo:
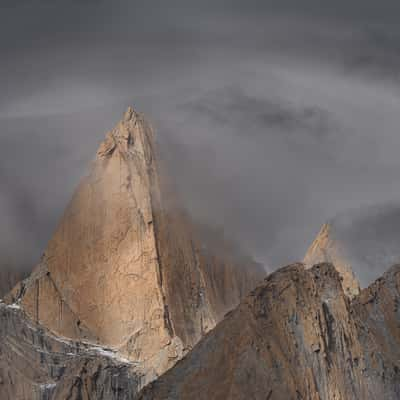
233	103
270	183
272	116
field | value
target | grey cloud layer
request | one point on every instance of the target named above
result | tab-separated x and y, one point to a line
272	117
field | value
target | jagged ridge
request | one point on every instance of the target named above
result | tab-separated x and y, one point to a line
297	336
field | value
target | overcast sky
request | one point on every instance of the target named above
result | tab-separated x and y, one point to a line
273	116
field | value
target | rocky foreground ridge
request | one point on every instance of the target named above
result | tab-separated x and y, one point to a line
297	336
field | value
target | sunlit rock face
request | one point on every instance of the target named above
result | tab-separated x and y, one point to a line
327	248
126	267
297	336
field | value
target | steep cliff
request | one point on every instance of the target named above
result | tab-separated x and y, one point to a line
297	336
327	248
126	267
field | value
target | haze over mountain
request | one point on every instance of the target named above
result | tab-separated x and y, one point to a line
363	242
281	115
326	248
370	236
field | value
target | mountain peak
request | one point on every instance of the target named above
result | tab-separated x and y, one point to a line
129	114
126	269
326	248
131	134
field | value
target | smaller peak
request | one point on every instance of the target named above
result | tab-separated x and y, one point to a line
326	227
326	248
129	114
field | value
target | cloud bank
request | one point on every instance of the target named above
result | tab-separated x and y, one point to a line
272	118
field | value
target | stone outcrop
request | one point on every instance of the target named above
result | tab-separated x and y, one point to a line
126	267
37	365
297	336
327	248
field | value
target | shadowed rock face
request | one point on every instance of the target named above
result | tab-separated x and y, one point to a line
126	267
326	248
297	336
36	365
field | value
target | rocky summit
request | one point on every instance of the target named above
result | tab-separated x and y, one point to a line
126	267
